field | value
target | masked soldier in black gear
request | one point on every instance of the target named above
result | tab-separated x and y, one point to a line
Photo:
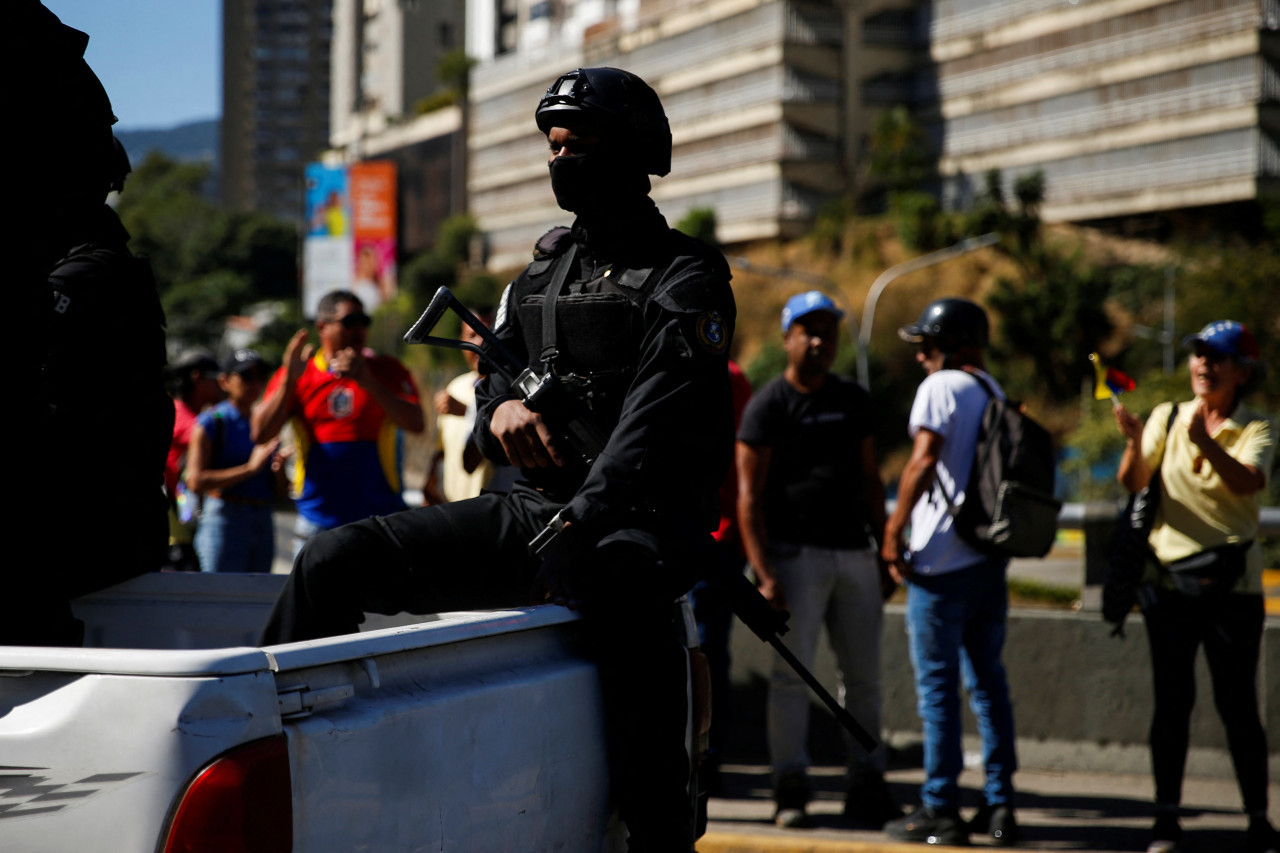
635	319
90	377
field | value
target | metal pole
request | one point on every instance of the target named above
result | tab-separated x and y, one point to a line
965	246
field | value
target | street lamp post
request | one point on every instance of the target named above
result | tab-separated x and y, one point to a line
965	246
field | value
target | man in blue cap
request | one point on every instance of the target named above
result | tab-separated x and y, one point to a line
811	508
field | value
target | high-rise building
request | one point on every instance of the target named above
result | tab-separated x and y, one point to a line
754	89
275	100
1127	106
390	103
385	59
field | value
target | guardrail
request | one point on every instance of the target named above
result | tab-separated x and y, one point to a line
1078	515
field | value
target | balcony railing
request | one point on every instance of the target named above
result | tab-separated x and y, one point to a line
997	68
1236	82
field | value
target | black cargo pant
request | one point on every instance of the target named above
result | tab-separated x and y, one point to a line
473	555
1230	628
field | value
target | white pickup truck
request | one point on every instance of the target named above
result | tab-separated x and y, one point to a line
170	731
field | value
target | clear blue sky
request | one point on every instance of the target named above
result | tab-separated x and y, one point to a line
160	60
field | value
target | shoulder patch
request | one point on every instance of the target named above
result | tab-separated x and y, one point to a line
711	332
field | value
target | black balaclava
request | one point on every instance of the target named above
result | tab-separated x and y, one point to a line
590	184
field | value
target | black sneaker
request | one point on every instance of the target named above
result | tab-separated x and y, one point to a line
1261	837
791	795
930	826
1166	835
998	822
868	801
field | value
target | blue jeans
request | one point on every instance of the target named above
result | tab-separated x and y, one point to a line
956	628
235	537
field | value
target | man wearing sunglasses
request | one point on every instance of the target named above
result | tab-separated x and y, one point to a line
347	406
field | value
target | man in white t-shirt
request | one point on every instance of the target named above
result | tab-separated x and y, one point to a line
957	598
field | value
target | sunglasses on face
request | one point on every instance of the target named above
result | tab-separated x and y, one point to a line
355	321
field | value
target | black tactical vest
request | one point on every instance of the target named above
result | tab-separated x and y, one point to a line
598	324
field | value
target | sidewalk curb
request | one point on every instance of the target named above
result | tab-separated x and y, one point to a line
730	842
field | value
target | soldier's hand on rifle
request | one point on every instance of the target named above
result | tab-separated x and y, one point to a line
525	438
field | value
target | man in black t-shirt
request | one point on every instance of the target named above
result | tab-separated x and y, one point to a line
810	502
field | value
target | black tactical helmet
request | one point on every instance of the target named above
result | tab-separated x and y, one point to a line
952	322
621	102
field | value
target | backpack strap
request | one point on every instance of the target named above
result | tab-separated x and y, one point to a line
952	509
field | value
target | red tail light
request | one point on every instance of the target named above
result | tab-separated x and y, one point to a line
241	802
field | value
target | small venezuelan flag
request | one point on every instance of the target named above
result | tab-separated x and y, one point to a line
1111	383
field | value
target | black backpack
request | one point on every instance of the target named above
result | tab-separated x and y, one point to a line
1009	509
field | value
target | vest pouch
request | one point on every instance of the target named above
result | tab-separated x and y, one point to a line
595	337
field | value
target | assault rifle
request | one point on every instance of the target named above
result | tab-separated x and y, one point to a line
568	419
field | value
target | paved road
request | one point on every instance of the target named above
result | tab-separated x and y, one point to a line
1087	812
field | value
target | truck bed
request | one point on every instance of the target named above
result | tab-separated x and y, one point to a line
470	731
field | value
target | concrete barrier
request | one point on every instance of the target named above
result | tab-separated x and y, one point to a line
1082	699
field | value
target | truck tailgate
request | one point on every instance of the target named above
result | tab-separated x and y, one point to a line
480	731
96	743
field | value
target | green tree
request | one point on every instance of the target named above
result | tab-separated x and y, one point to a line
454	71
209	263
1210	283
445	265
700	222
1052	312
898	150
439	266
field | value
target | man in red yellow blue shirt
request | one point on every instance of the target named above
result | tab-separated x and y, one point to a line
347	407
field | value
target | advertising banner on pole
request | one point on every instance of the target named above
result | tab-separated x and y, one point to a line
373	221
327	252
351	233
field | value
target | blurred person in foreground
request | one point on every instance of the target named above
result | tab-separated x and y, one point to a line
234	475
713	610
638	319
347	406
957	596
90	333
1207	589
811	507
